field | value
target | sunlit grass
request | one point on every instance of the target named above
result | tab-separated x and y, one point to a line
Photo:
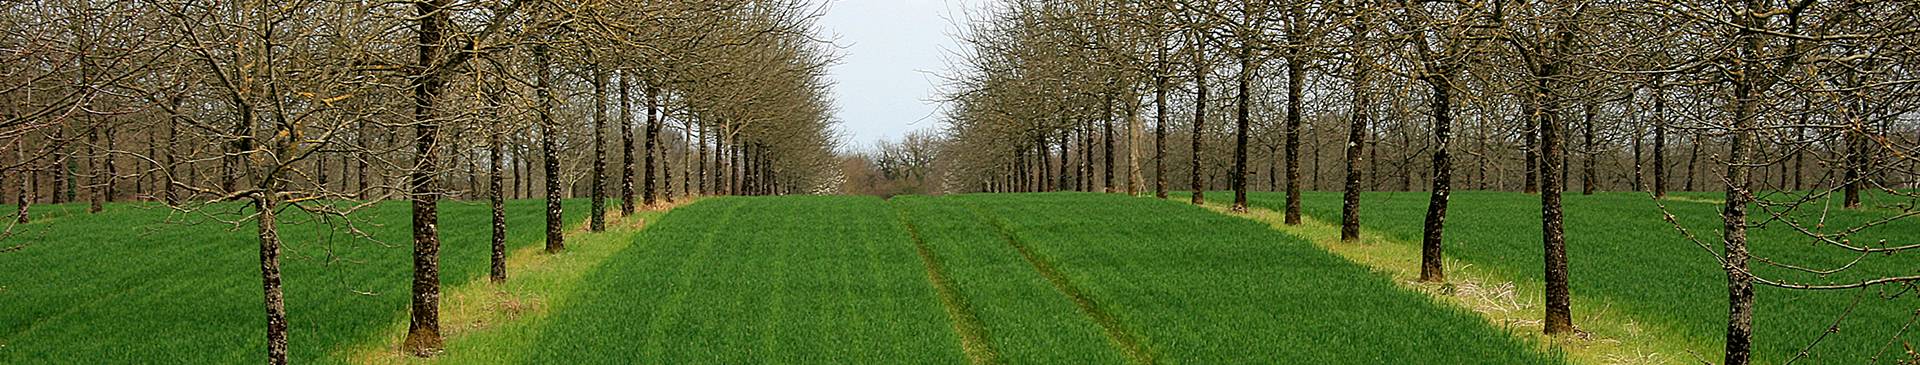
487	322
1626	261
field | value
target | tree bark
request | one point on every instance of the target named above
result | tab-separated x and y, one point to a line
57	169
423	330
1296	75
1086	157
549	138
626	143
1586	163
94	175
700	141
1199	125
1133	146
1431	269
597	218
1734	213
666	174
1159	138
686	158
173	139
1559	318
496	197
1356	135
1107	149
1854	162
24	196
1242	99
650	192
366	142
1066	141
275	300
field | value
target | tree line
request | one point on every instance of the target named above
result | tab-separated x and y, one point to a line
1780	105
326	108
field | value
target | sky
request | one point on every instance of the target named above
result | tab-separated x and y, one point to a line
892	52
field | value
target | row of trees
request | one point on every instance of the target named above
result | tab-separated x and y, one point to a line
1755	97
326	108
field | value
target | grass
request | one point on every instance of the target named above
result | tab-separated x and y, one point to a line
759	280
134	284
986	279
487	322
1626	261
1603	337
1196	287
1023	317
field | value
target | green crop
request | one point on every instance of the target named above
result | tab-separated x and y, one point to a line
134	284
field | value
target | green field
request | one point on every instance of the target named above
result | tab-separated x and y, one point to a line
1624	257
1066	278
134	284
1192	286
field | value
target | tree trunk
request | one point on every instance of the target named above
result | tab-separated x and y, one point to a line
107	191
1586	163
649	192
686	158
1356	135
666	174
496	197
1066	141
1734	215
1430	244
701	142
23	197
94	175
1159	138
366	142
1296	74
1043	153
1086	157
423	331
1107	135
626	143
1133	146
58	168
1273	168
1199	126
1559	318
1853	165
167	177
549	151
1239	179
276	304
597	218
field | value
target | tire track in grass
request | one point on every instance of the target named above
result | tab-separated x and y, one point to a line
655	349
973	334
1128	342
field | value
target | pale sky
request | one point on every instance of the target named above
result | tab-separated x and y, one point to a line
892	51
